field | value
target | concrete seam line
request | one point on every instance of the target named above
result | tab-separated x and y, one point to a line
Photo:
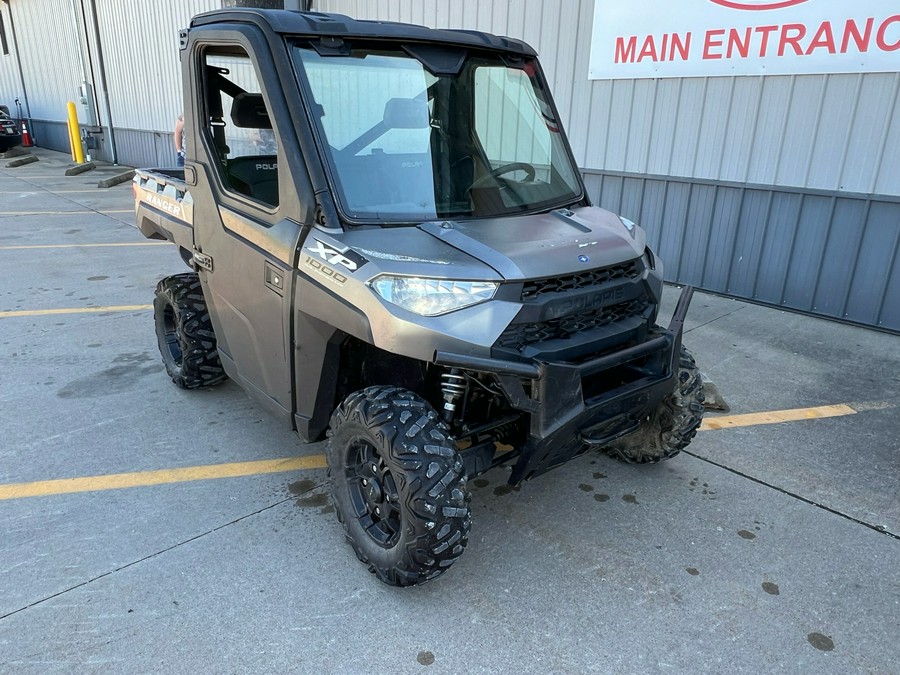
880	529
149	557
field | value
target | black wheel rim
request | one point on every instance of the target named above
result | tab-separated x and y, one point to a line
373	493
170	331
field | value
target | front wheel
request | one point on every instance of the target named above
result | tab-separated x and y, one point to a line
398	485
669	429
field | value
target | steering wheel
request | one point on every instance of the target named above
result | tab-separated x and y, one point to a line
506	168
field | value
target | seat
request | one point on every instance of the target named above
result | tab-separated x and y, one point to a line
255	176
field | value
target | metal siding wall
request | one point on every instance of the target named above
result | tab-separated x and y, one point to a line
53	135
145	148
875	109
829	132
10	87
828	254
890	306
140	46
50	65
877	255
843	242
140	49
778	247
888	173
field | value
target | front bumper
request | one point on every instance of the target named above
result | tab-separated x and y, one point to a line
576	406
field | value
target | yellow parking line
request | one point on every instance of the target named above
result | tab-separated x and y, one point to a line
138	243
118	481
73	310
775	417
214	471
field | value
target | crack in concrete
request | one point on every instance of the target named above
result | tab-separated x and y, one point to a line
880	529
724	316
147	557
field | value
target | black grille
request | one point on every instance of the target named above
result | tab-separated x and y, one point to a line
539	287
518	336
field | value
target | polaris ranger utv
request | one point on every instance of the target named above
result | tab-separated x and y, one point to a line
391	244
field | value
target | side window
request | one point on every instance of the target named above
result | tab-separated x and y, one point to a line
237	125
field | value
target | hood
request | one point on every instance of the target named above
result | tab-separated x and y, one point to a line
543	245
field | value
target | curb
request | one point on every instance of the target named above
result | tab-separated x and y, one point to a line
80	168
22	161
115	180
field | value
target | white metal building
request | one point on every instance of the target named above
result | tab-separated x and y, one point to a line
783	189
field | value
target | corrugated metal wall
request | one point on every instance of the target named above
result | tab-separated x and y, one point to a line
50	63
140	42
10	87
776	189
829	132
838	257
144	76
140	49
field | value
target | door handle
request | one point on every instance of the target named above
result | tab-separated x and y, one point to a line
203	260
274	278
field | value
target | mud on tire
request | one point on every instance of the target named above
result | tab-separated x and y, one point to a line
185	334
670	428
398	485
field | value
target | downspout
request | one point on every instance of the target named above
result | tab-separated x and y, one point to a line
15	40
105	94
77	34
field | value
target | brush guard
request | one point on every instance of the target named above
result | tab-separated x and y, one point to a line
571	409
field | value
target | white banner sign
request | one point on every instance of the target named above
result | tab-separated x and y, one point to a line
701	38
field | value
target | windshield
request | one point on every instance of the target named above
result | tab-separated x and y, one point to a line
407	145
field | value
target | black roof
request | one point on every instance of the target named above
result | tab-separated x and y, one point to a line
317	24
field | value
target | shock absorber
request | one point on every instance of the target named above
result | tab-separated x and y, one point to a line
453	386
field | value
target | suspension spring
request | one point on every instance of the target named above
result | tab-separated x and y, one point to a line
453	386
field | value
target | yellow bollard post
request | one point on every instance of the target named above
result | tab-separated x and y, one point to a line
75	137
71	137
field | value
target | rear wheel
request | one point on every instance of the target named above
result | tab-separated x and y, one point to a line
398	485
669	429
185	334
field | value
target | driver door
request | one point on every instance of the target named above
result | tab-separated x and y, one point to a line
244	242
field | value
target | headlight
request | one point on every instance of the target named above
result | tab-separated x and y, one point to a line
629	225
432	297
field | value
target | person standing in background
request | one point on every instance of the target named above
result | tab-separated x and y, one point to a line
179	140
